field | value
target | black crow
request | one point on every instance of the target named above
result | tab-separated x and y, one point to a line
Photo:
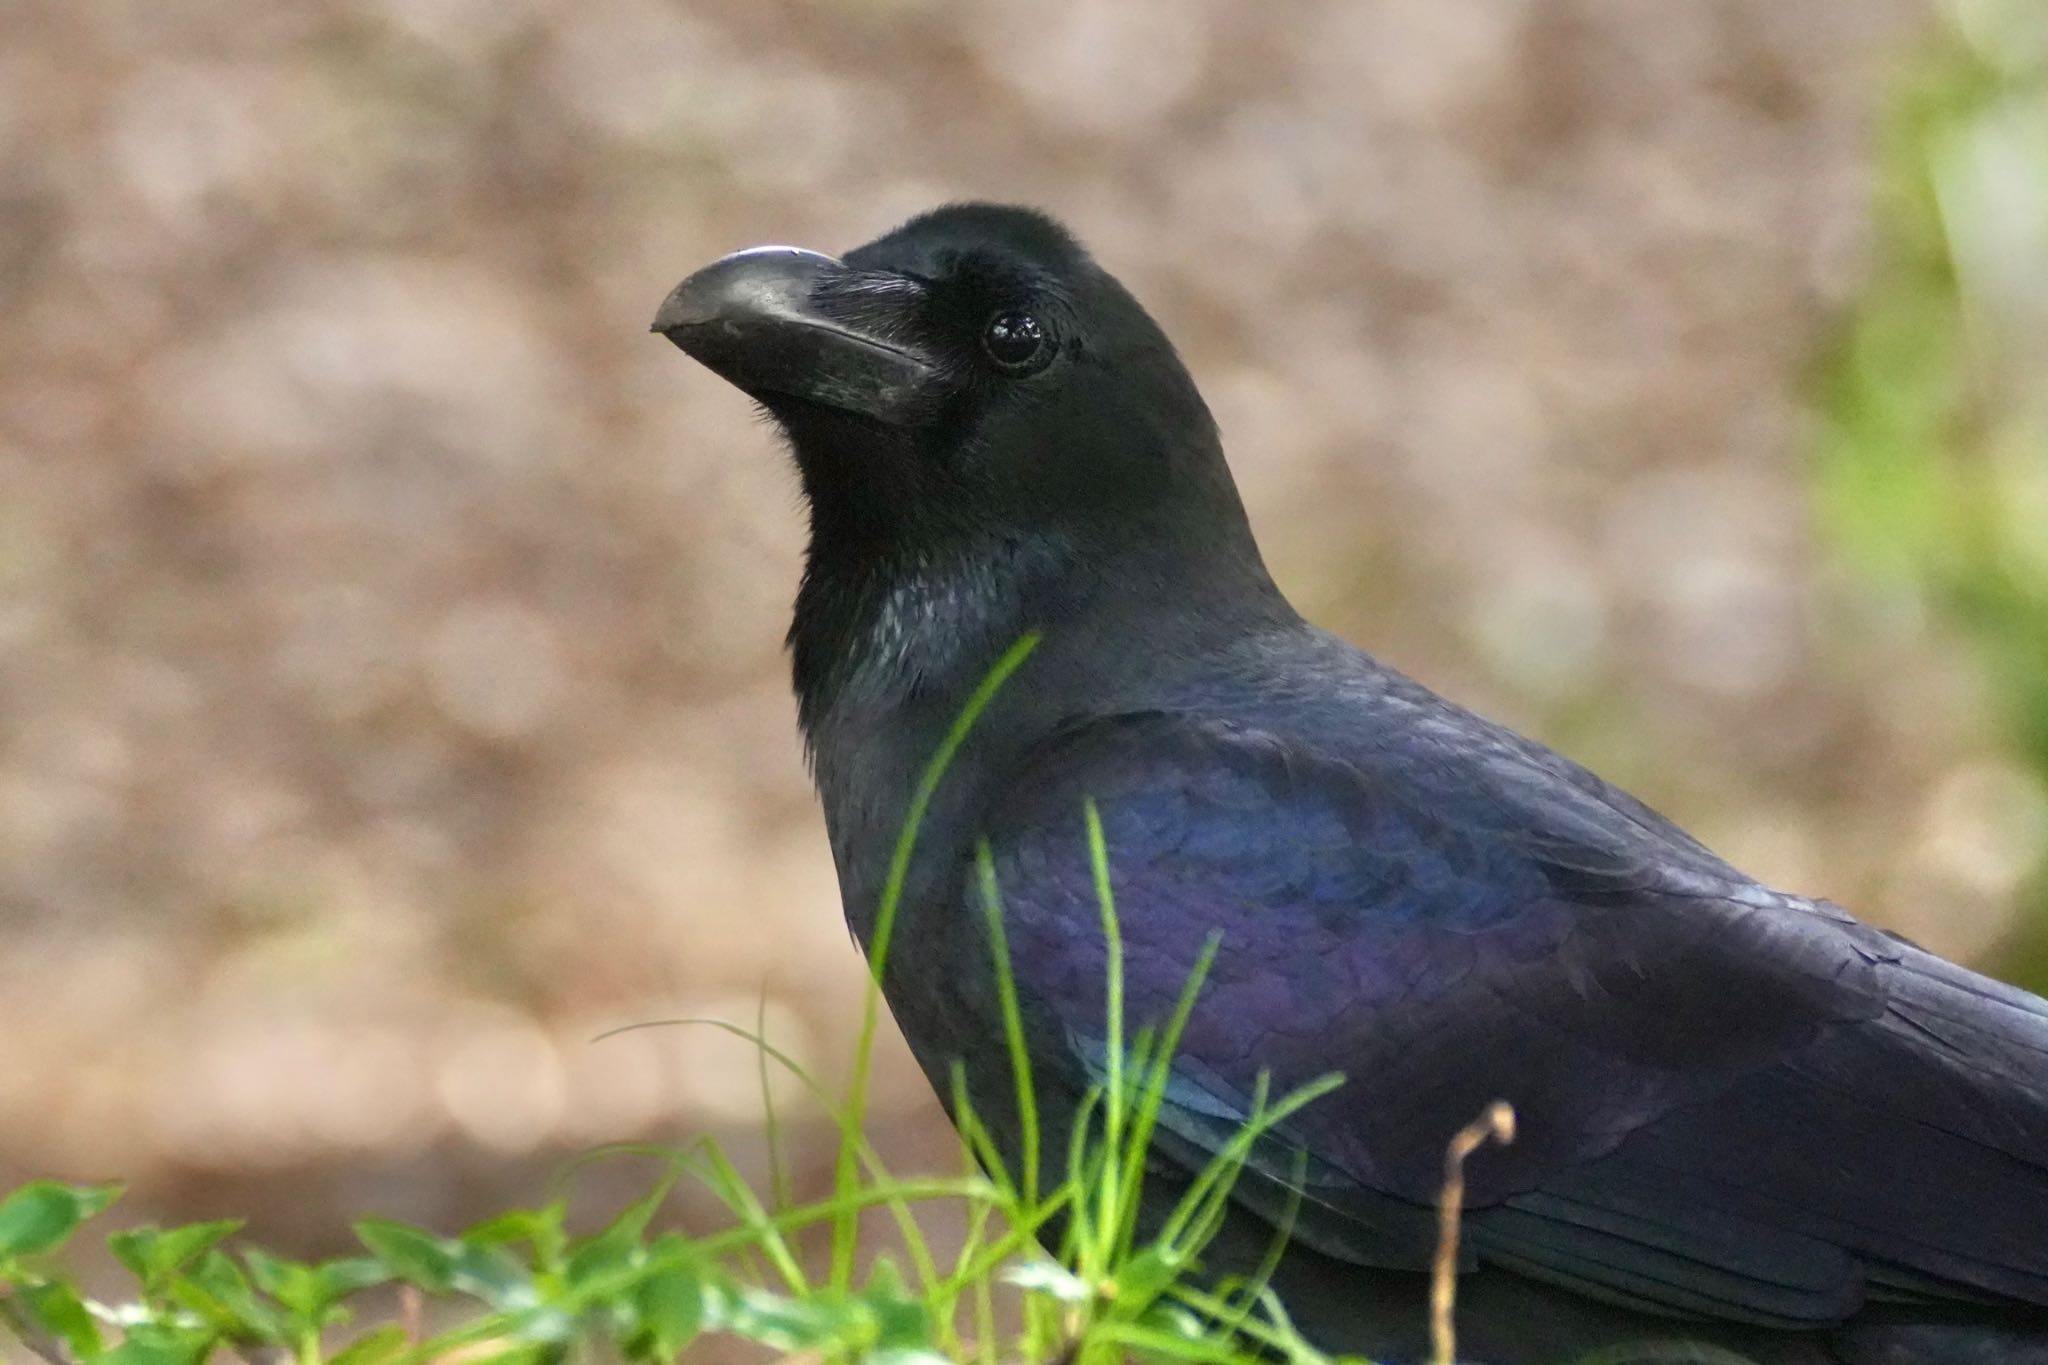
1747	1120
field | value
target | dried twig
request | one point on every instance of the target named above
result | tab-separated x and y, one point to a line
1497	1124
412	1313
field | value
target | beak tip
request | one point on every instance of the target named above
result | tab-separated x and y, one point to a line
764	280
683	306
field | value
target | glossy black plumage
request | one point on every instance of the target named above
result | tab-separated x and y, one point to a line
1746	1118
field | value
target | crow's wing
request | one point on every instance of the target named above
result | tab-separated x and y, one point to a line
1731	1101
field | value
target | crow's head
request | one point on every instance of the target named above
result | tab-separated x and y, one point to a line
987	426
972	373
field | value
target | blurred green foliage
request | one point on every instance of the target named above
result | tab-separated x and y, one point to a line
1933	447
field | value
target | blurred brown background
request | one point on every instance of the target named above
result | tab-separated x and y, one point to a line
391	695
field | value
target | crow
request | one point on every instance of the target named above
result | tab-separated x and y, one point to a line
1747	1121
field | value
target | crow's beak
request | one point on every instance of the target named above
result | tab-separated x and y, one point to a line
777	320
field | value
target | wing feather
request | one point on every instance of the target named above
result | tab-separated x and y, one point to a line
1732	1102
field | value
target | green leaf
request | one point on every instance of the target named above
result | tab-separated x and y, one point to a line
1144	1277
1175	1320
885	1280
150	1253
1054	1281
784	1324
156	1343
670	1305
605	1254
1163	1344
345	1275
309	1292
218	1291
412	1254
541	1228
39	1216
58	1310
513	1225
379	1347
489	1274
287	1282
511	1352
618	1245
901	1324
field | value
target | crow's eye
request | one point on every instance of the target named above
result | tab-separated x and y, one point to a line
1016	342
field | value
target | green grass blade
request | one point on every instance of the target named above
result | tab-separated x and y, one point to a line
1109	1197
781	1192
846	1172
724	1180
1013	1024
1203	1203
1154	1096
877	1170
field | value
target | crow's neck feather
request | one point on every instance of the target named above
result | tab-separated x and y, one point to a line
915	625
